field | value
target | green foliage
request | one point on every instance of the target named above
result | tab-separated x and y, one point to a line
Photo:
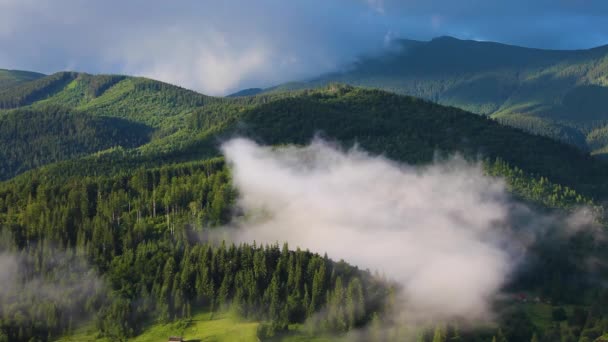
31	138
412	130
549	128
142	232
99	84
9	78
487	78
597	139
29	92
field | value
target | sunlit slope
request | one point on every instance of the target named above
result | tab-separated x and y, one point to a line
400	127
133	98
188	126
74	114
204	326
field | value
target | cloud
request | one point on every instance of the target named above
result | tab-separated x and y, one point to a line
451	236
442	231
221	46
61	280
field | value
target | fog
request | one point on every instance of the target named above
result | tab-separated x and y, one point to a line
444	232
61	280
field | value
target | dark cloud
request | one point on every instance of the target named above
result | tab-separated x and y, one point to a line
220	46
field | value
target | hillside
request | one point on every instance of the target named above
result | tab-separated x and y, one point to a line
31	138
561	94
111	110
132	98
9	78
190	126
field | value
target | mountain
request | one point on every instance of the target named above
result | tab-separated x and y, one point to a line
79	114
9	78
121	179
132	98
560	94
247	92
172	124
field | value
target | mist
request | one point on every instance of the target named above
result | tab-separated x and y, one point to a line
42	281
444	231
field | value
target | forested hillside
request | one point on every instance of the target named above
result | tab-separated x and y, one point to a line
126	182
9	78
143	232
188	125
560	94
31	138
73	114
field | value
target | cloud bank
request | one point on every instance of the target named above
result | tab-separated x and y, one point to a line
218	47
442	231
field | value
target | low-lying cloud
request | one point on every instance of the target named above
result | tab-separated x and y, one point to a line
34	280
439	231
443	231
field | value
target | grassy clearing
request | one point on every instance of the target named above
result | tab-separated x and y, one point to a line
86	333
203	327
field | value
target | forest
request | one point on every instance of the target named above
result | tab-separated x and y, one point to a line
556	93
114	201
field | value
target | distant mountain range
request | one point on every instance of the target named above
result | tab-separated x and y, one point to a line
560	94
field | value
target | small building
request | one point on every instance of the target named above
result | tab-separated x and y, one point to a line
176	339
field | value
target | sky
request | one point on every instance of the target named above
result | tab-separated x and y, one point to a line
218	47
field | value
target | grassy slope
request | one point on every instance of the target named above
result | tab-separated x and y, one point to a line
207	327
133	98
567	88
203	327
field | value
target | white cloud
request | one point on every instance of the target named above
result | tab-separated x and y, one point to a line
442	231
215	62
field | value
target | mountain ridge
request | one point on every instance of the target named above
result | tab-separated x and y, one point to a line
558	88
10	78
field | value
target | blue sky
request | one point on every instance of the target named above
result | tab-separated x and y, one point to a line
221	46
